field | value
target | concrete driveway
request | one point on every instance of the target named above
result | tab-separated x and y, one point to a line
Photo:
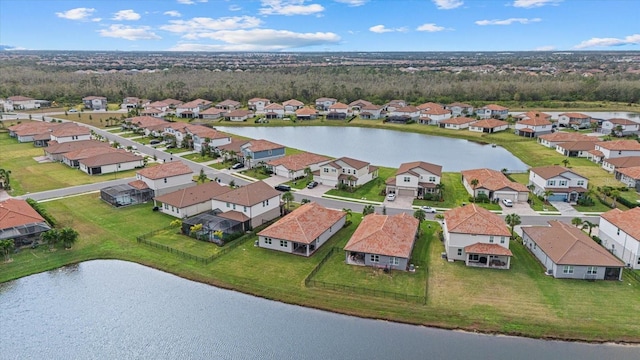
401	202
565	208
518	208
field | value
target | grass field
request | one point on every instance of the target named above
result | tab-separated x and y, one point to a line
454	194
369	191
173	238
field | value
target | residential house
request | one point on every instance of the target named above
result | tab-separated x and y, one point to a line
533	124
383	241
476	236
395	104
294	166
492	111
489	126
620	127
167	177
72	158
153	112
206	136
260	151
566	252
20	222
142	123
190	201
356	106
562	183
70	132
131	102
371	112
494	184
337	111
457	123
229	105
291	106
406	113
415	179
95	102
238	115
110	162
615	164
324	103
302	231
54	150
630	176
576	148
192	109
160	105
274	111
173	103
460	109
212	113
430	105
253	204
258	104
574	120
306	113
614	149
28	131
13	103
558	137
434	115
620	234
346	171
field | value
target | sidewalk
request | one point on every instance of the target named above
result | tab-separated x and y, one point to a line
565	208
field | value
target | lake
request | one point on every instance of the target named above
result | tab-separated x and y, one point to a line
385	147
109	309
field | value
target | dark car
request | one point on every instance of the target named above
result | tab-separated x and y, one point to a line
237	166
283	187
312	184
154	142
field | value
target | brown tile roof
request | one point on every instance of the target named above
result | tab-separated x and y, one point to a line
234	215
490	123
561	136
495	107
110	159
94	98
547	172
339	105
575	115
145	121
19	98
534	114
206	132
407	109
169	169
354	163
239	113
472	219
193	195
578	145
33	128
390	235
436	111
408	167
15	212
492	180
458	120
70	131
628	221
487	249
158	104
234	145
213	111
535	118
304	224
274	106
293	102
305	111
567	245
360	102
61	148
619	121
228	102
632	172
256	99
262	145
620	145
172	102
139	184
298	161
429	105
624	162
597	153
89	152
323	99
249	195
372	107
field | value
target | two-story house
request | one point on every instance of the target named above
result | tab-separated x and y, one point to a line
564	184
274	111
95	102
356	106
192	109
167	177
476	236
258	104
620	127
338	111
371	112
252	204
206	136
415	179
575	120
494	184
260	151
533	124
434	115
324	103
460	109
492	111
614	149
346	171
191	200
229	105
620	234
291	106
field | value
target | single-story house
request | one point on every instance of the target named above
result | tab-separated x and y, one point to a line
20	222
613	165
212	113
238	115
229	105
629	176
111	162
576	148
558	137
55	151
293	166
305	113
489	126
614	149
189	201
457	123
620	234
494	184
73	158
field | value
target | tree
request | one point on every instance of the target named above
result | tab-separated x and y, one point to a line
615	194
618	130
420	215
348	212
368	209
588	224
576	221
68	236
50	237
440	188
5	178
6	247
565	162
384	209
202	177
232	183
308	173
474	183
287	197
513	220
546	195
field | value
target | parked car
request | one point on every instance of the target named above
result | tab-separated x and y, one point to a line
391	196
237	166
507	202
283	187
154	142
312	184
73	110
428	209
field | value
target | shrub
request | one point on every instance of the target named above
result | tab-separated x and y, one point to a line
596	239
585	201
42	211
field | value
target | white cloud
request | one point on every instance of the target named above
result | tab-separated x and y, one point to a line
289	7
234	8
82	14
259	40
126	15
545	48
534	3
204	24
191	2
96	19
129	32
352	2
448	4
173	13
379	29
430	28
607	42
508	21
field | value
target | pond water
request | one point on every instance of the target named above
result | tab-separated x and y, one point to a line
386	147
108	309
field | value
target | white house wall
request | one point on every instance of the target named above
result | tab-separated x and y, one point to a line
455	241
619	243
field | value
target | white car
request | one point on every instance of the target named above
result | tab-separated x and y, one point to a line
391	196
428	209
507	202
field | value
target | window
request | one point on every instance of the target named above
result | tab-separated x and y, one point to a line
592	270
474	257
165	180
490	239
234	206
228	205
567	269
284	243
432	179
244	209
267	241
407	179
459	252
617	233
394	261
374	258
166	206
502	240
639	261
551	183
580	182
562	183
325	170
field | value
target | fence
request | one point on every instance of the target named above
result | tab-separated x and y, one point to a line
633	274
169	249
309	282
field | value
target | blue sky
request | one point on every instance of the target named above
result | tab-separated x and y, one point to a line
321	25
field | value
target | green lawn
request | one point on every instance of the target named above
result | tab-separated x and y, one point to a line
255	173
197	157
369	191
129	135
455	194
172	237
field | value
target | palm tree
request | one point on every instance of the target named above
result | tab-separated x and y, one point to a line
368	209
287	197
202	177
420	215
546	195
576	221
565	162
440	188
512	220
474	183
348	212
615	194
589	225
68	236
50	237
308	173
6	247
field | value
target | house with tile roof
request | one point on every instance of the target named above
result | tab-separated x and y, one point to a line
142	123
459	109
614	149
55	151
337	111
28	131
476	236
345	171
576	148
567	252
212	113
620	127
494	184
238	115
20	222
18	102
620	234
110	162
457	123
323	103
291	106
95	102
62	134
630	176
305	113
191	200
492	111
72	158
293	166
558	137
383	241
394	104
564	184
258	151
356	106
257	104
434	115
167	177
206	136
615	164
303	231
573	119
533	124
274	111
229	105
489	126
253	204
371	112
192	108
415	179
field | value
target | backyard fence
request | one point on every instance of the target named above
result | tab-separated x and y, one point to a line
633	274
169	249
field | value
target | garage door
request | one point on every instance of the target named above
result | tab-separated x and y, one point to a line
506	195
280	171
405	192
557	197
